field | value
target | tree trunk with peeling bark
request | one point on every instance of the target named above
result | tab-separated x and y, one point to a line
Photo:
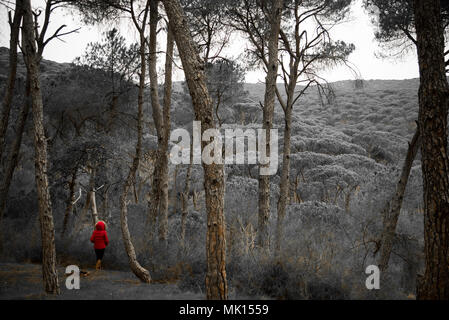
432	123
391	212
10	83
216	284
268	110
31	57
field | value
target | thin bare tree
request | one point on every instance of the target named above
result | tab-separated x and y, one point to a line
392	209
31	57
158	203
137	269
14	23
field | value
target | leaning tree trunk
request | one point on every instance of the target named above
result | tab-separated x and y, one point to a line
391	212
136	268
10	83
216	284
50	274
432	119
268	110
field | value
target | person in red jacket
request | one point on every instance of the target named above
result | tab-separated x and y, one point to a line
100	240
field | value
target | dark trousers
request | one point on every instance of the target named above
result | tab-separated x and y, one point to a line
99	253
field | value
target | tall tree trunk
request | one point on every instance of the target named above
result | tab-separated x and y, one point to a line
152	72
432	119
13	156
285	173
285	180
136	268
268	110
7	98
391	212
185	201
163	180
216	284
161	166
50	274
70	200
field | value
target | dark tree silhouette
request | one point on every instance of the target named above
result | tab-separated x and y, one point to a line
432	119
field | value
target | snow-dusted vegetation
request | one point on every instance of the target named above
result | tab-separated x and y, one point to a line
345	161
135	138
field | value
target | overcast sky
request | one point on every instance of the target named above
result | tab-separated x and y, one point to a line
357	30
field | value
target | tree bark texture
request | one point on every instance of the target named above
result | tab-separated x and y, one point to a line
216	284
432	123
268	110
31	57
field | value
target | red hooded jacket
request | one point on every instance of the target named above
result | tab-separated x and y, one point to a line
99	237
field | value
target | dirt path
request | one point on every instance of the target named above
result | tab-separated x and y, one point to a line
24	281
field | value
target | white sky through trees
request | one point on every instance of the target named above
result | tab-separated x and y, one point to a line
357	29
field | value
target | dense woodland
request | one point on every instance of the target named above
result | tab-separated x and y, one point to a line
363	174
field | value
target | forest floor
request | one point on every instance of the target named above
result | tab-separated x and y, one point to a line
24	281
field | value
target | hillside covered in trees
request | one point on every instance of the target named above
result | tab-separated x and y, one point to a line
294	188
346	156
